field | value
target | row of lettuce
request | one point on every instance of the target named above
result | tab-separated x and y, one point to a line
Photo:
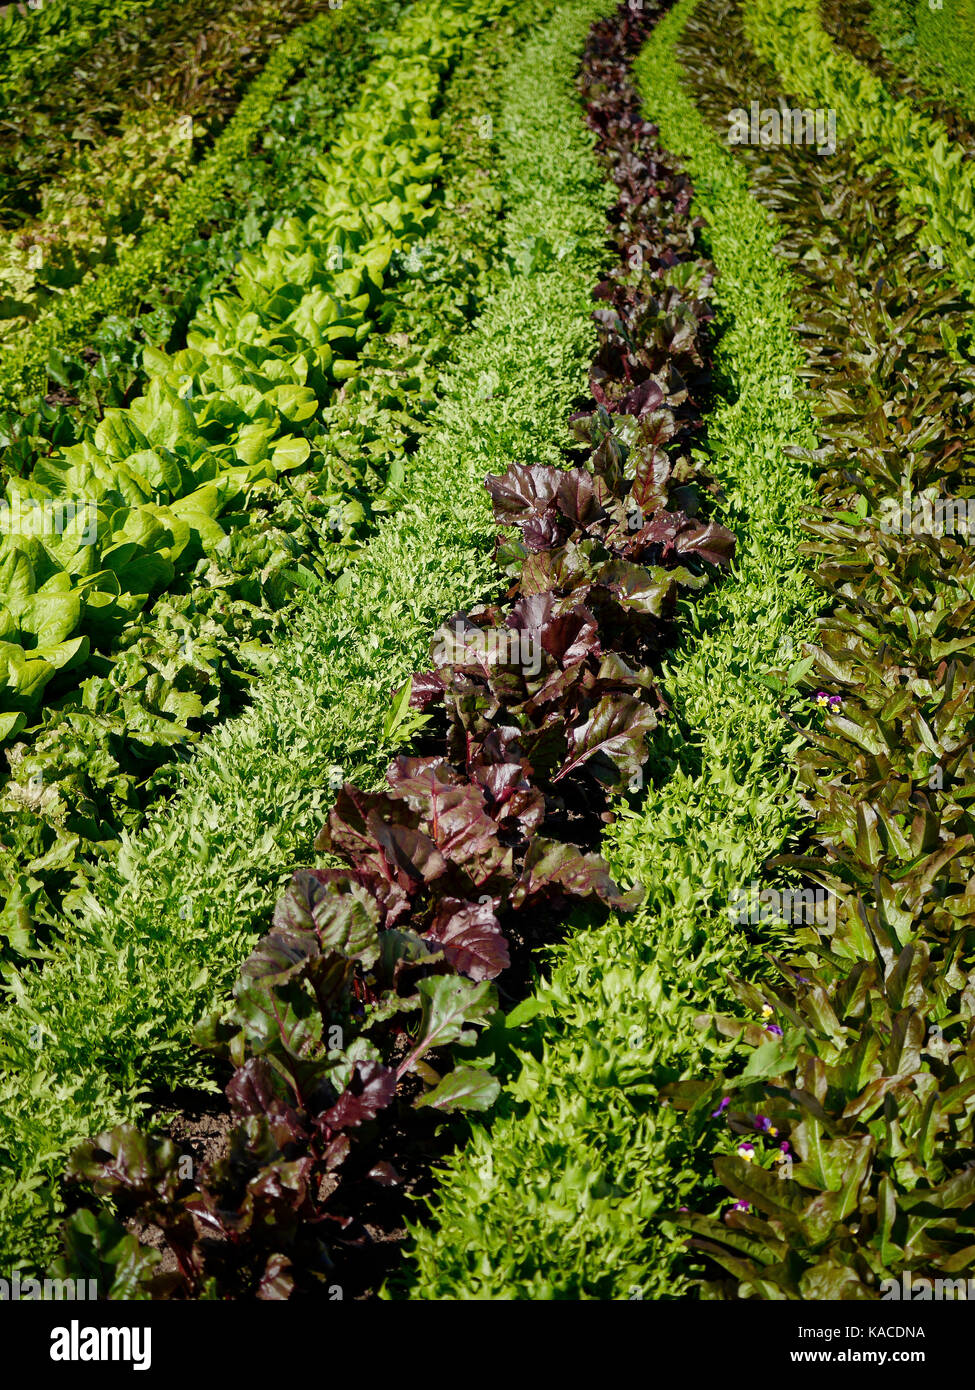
841	1118
102	524
110	1012
574	1190
937	182
147	611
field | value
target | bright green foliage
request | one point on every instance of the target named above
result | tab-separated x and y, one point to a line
564	1196
159	941
234	408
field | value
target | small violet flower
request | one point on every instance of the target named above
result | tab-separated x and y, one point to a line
767	1013
725	1102
746	1151
830	702
742	1206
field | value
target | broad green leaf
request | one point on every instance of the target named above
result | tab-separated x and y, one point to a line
464	1088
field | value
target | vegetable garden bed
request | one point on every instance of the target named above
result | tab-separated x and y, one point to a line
484	667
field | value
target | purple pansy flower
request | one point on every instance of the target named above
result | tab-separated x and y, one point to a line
827	701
